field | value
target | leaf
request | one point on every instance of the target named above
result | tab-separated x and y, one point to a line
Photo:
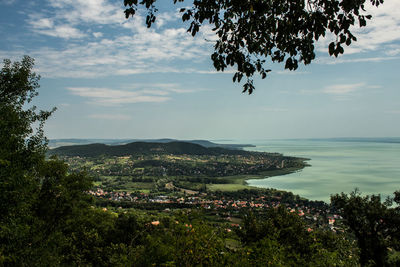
263	75
331	48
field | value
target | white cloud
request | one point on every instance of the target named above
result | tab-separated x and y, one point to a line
288	72
166	17
47	26
342	89
88	11
98	34
332	61
65	17
160	92
144	52
393	50
41	23
163	88
379	34
118	117
105	96
141	50
131	48
62	31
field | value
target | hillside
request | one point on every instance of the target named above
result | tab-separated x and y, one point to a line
135	148
54	143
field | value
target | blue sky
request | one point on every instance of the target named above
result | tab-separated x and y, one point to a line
113	78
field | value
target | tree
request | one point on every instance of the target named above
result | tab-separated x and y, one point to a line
251	31
375	225
21	151
280	238
39	199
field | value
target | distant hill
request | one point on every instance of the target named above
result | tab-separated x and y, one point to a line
136	148
389	140
53	143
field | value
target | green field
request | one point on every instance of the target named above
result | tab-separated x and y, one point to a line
238	182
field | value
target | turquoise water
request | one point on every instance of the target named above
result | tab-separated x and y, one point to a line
336	166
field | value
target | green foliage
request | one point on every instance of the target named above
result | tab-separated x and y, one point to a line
21	152
38	198
279	238
375	225
250	32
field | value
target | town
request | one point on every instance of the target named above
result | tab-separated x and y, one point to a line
226	205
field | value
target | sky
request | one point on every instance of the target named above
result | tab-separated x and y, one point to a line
110	77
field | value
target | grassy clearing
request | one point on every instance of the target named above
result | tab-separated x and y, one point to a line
145	191
227	187
136	186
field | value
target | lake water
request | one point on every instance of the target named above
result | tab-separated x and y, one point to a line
336	166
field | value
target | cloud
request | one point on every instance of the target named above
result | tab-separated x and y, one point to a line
379	34
105	96
393	50
166	17
130	47
288	72
62	31
64	18
118	117
88	11
42	23
47	26
98	34
158	92
125	55
104	43
164	88
332	61
342	89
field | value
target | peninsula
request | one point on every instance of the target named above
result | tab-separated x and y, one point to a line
150	166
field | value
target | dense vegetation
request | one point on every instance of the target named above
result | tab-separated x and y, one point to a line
144	148
47	217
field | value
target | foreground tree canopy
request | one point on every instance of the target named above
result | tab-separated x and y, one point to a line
251	31
375	225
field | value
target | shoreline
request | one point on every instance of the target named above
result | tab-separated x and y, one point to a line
239	182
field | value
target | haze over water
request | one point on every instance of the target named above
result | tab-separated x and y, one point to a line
336	166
